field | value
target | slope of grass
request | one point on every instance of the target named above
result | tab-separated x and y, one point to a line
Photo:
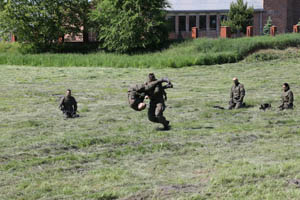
202	51
113	152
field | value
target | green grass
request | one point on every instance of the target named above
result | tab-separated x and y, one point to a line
113	152
190	53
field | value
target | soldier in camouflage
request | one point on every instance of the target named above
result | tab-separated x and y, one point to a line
287	98
137	94
237	95
68	105
158	96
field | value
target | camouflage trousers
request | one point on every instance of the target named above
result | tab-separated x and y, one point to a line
155	113
286	106
70	114
235	104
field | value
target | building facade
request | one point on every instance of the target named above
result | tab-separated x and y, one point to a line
208	14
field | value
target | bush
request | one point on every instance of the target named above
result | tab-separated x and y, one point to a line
189	53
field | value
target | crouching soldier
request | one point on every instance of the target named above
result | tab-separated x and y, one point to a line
287	98
137	94
158	96
68	105
237	95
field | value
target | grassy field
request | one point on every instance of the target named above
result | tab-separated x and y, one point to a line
113	152
203	51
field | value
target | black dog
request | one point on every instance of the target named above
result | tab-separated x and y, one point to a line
265	106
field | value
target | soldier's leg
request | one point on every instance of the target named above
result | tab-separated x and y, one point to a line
239	105
151	113
231	105
159	114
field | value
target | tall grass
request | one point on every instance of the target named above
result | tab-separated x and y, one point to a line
202	51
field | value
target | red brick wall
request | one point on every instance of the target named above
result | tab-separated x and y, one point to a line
256	23
296	11
278	10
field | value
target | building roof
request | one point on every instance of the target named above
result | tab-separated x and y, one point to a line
208	5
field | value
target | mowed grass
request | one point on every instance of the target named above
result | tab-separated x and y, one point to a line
113	152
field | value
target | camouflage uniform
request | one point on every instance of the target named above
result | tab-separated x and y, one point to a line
137	93
68	106
157	105
287	100
237	95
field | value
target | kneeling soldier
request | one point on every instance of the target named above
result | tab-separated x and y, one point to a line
237	95
68	105
287	98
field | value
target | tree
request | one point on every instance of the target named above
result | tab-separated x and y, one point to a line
268	26
40	23
239	17
127	26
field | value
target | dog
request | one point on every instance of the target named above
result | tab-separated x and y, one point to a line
265	106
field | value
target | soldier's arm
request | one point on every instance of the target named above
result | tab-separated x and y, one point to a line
291	97
61	103
231	94
75	105
165	95
150	85
242	93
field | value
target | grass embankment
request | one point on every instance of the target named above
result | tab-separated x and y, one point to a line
190	53
113	152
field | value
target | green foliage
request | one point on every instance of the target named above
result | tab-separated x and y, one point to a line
131	25
40	23
189	53
11	48
267	27
299	22
239	17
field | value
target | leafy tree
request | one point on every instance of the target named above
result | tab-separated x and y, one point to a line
127	26
40	23
267	27
239	17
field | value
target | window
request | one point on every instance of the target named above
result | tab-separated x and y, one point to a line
202	21
182	23
171	20
192	22
213	21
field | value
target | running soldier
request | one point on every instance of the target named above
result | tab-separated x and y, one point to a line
158	96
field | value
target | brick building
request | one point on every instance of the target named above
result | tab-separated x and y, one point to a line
208	14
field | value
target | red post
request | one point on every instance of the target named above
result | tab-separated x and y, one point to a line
61	40
195	32
249	31
225	32
13	38
273	30
296	28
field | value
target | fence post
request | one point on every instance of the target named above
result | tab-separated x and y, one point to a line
225	32
249	31
195	32
273	30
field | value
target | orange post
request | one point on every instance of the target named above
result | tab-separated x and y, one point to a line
13	38
273	30
195	32
249	31
225	32
296	28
